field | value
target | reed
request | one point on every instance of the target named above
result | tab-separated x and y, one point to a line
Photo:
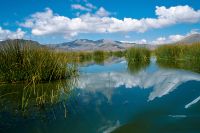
100	56
178	52
138	55
181	56
137	59
26	62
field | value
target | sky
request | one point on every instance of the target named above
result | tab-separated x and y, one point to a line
140	21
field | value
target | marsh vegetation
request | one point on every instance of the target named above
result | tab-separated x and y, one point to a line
24	62
137	59
178	52
27	62
180	56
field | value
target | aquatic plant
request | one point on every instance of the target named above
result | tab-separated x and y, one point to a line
27	62
138	55
137	59
178	52
100	56
180	56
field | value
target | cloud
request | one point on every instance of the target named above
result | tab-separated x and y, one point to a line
48	23
91	6
80	7
87	7
142	41
165	40
7	34
102	12
160	40
178	14
169	39
173	38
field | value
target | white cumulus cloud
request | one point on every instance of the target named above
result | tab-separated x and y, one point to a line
7	34
160	40
173	38
48	22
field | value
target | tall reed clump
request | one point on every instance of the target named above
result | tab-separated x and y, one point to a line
100	56
27	62
178	52
179	56
137	58
138	55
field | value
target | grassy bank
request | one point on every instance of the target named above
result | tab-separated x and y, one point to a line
25	62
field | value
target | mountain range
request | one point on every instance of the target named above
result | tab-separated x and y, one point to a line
106	45
90	45
190	39
22	42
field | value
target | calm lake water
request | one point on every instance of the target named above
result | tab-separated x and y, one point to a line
114	97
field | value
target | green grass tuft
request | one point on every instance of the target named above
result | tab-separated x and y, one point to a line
23	62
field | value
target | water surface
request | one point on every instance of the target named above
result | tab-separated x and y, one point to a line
114	97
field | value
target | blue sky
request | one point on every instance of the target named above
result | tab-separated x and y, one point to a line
141	21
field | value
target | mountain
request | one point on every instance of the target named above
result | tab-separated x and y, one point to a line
89	45
83	45
22	41
190	39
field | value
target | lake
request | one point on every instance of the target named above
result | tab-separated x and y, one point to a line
111	97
